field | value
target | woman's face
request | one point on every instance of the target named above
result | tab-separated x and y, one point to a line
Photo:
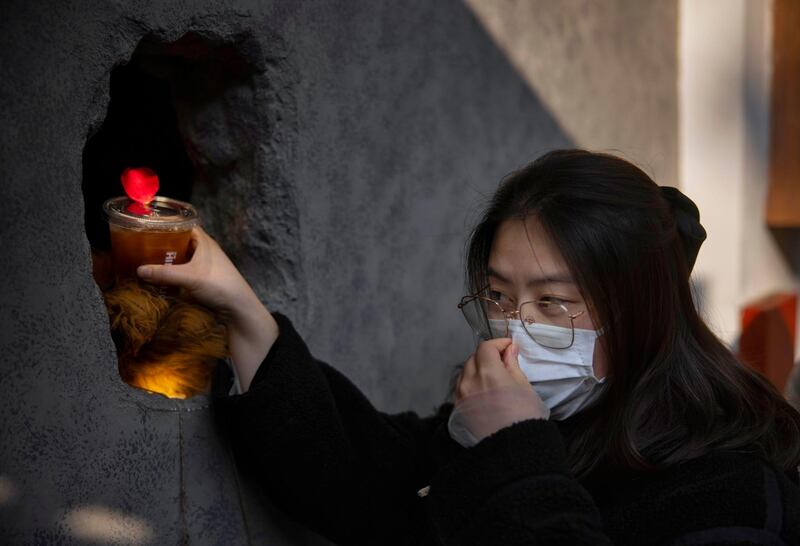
523	270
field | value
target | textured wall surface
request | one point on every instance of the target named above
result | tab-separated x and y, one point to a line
373	134
607	70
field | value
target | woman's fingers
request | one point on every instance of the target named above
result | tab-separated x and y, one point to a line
489	353
511	361
466	377
181	274
168	275
199	236
487	368
509	357
193	244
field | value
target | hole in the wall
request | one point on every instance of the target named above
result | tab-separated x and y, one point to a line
184	109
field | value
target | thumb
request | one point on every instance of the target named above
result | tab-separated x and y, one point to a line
169	275
511	361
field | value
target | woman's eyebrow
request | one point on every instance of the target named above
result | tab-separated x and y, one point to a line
558	277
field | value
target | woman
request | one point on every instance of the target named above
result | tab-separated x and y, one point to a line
599	409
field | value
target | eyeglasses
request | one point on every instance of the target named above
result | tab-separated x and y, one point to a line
547	322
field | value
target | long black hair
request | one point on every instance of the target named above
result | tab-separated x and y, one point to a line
674	391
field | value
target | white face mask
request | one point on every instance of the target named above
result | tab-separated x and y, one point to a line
563	378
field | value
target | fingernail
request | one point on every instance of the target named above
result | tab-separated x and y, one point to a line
144	271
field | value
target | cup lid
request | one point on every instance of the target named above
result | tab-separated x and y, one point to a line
162	213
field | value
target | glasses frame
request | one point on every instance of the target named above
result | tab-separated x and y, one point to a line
509	315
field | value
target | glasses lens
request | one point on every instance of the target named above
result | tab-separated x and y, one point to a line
547	323
485	317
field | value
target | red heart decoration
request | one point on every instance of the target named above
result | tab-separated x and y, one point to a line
141	184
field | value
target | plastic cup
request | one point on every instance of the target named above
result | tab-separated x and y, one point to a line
159	233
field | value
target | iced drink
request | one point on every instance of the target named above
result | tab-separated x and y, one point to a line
158	233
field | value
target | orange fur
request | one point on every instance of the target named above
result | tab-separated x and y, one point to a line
164	344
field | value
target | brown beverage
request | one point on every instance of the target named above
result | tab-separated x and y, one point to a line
159	233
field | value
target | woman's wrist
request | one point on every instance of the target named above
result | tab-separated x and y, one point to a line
252	331
476	416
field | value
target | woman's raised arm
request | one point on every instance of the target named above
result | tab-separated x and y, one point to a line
300	428
211	279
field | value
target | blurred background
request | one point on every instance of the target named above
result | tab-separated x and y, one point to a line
714	113
340	152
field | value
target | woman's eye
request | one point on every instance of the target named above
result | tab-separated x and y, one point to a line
552	300
498	296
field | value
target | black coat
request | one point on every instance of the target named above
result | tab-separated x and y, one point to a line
326	456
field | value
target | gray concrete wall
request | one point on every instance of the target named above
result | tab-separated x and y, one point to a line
381	130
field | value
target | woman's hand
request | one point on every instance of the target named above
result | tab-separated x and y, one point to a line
493	365
211	279
492	394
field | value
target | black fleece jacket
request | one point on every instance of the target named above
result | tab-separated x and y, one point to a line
327	457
